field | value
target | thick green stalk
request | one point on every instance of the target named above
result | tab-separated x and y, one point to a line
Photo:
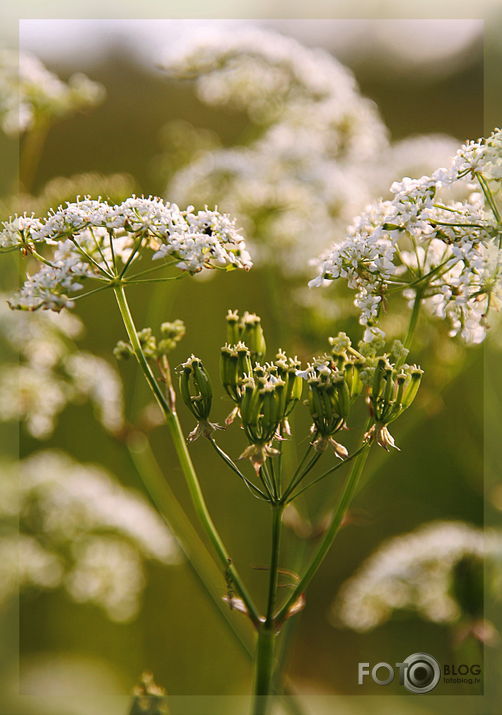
266	635
264	670
323	549
277	510
187	467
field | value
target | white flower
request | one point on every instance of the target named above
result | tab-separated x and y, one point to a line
320	151
84	232
29	92
52	372
413	571
449	248
91	534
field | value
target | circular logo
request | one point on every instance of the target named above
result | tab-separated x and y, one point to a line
422	674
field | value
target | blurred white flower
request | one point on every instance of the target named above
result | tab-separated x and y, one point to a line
319	150
51	373
414	572
29	93
81	530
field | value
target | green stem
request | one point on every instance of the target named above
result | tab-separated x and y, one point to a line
187	467
277	510
230	463
266	634
293	484
325	474
31	151
413	318
485	187
323	549
198	558
264	670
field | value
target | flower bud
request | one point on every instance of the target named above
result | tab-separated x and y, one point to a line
411	391
253	336
233	327
174	331
122	351
229	373
195	388
171	334
244	366
148	342
250	404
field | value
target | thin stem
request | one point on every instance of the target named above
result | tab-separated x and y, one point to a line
131	281
265	480
167	264
268	471
230	463
327	473
265	485
341	509
300	465
88	257
413	318
100	251
489	196
112	250
187	467
91	292
131	256
302	475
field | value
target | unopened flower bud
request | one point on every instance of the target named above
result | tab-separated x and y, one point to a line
253	335
244	366
233	327
229	373
174	331
122	350
195	388
411	391
148	342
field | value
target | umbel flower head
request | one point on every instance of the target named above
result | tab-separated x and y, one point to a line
265	394
95	240
334	383
423	244
319	150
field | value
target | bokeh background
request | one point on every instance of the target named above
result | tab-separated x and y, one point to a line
425	76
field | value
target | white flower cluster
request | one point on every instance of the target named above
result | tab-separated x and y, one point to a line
273	77
424	241
51	372
89	236
319	151
29	93
81	530
414	572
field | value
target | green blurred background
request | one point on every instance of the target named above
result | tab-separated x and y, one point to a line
437	475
